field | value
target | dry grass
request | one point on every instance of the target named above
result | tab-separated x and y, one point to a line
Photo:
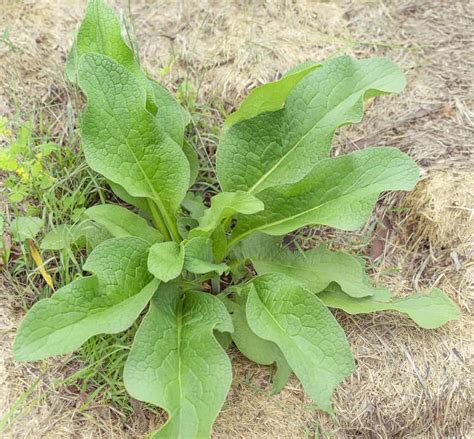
409	382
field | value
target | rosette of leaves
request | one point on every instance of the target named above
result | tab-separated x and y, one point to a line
277	174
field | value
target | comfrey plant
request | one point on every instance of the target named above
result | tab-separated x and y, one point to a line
209	276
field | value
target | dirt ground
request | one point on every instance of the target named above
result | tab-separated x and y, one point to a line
409	382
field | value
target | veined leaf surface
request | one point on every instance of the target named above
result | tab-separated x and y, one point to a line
121	222
123	141
429	311
270	96
314	269
251	345
313	343
105	303
166	260
177	364
339	192
281	147
100	32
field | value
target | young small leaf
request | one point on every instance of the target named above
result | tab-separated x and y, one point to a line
69	235
219	243
166	260
281	147
199	257
177	363
315	346
315	269
107	302
270	96
26	227
427	310
226	204
339	192
194	204
121	222
123	141
251	345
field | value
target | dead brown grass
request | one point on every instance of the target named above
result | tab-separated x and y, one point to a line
409	382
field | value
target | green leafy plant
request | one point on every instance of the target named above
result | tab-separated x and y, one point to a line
21	158
214	274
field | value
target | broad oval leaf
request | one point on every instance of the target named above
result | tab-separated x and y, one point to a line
428	311
270	96
177	364
121	222
166	260
281	147
101	33
105	303
315	346
123	141
339	192
314	269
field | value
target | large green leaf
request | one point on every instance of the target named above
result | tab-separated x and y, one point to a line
270	96
339	192
251	345
315	269
315	346
166	260
199	257
121	222
176	362
100	32
223	206
429	311
281	147
107	302
123	141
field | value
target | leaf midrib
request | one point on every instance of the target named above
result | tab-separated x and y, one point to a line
289	337
156	196
310	270
93	314
292	217
290	151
